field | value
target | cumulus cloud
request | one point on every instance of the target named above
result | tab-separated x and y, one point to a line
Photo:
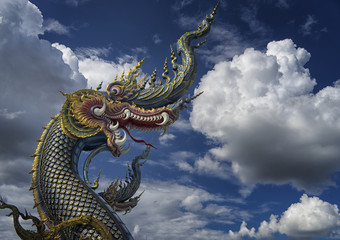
309	218
95	68
164	140
174	211
273	129
32	72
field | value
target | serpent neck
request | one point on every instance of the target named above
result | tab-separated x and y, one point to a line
59	193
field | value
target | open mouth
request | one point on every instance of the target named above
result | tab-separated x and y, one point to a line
121	119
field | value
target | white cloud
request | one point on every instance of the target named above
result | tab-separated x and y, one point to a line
52	25
306	28
32	72
88	52
309	218
207	165
272	128
98	70
182	125
164	140
28	22
169	210
95	69
4	113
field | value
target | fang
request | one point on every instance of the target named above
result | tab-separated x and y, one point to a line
165	118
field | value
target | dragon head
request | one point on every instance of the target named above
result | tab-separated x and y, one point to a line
128	103
89	112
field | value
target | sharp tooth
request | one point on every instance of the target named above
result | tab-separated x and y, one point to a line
165	131
165	118
121	141
100	111
127	114
114	127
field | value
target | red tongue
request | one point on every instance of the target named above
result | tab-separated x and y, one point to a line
136	140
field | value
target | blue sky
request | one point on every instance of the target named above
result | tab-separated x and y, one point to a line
255	157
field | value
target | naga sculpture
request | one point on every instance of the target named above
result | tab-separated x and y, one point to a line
94	120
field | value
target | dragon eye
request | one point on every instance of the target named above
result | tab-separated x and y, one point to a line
116	90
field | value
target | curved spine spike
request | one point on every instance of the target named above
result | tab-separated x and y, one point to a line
139	64
68	97
122	76
173	58
199	44
215	8
141	81
87	165
173	62
166	71
153	78
143	84
99	86
96	182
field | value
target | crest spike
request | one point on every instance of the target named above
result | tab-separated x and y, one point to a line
142	79
215	8
173	59
65	94
166	71
153	78
99	86
122	76
143	84
139	64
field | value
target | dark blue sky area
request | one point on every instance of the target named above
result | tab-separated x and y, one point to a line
256	156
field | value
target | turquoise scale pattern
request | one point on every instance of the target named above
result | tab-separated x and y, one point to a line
63	195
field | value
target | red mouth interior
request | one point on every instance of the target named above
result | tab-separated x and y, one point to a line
137	140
